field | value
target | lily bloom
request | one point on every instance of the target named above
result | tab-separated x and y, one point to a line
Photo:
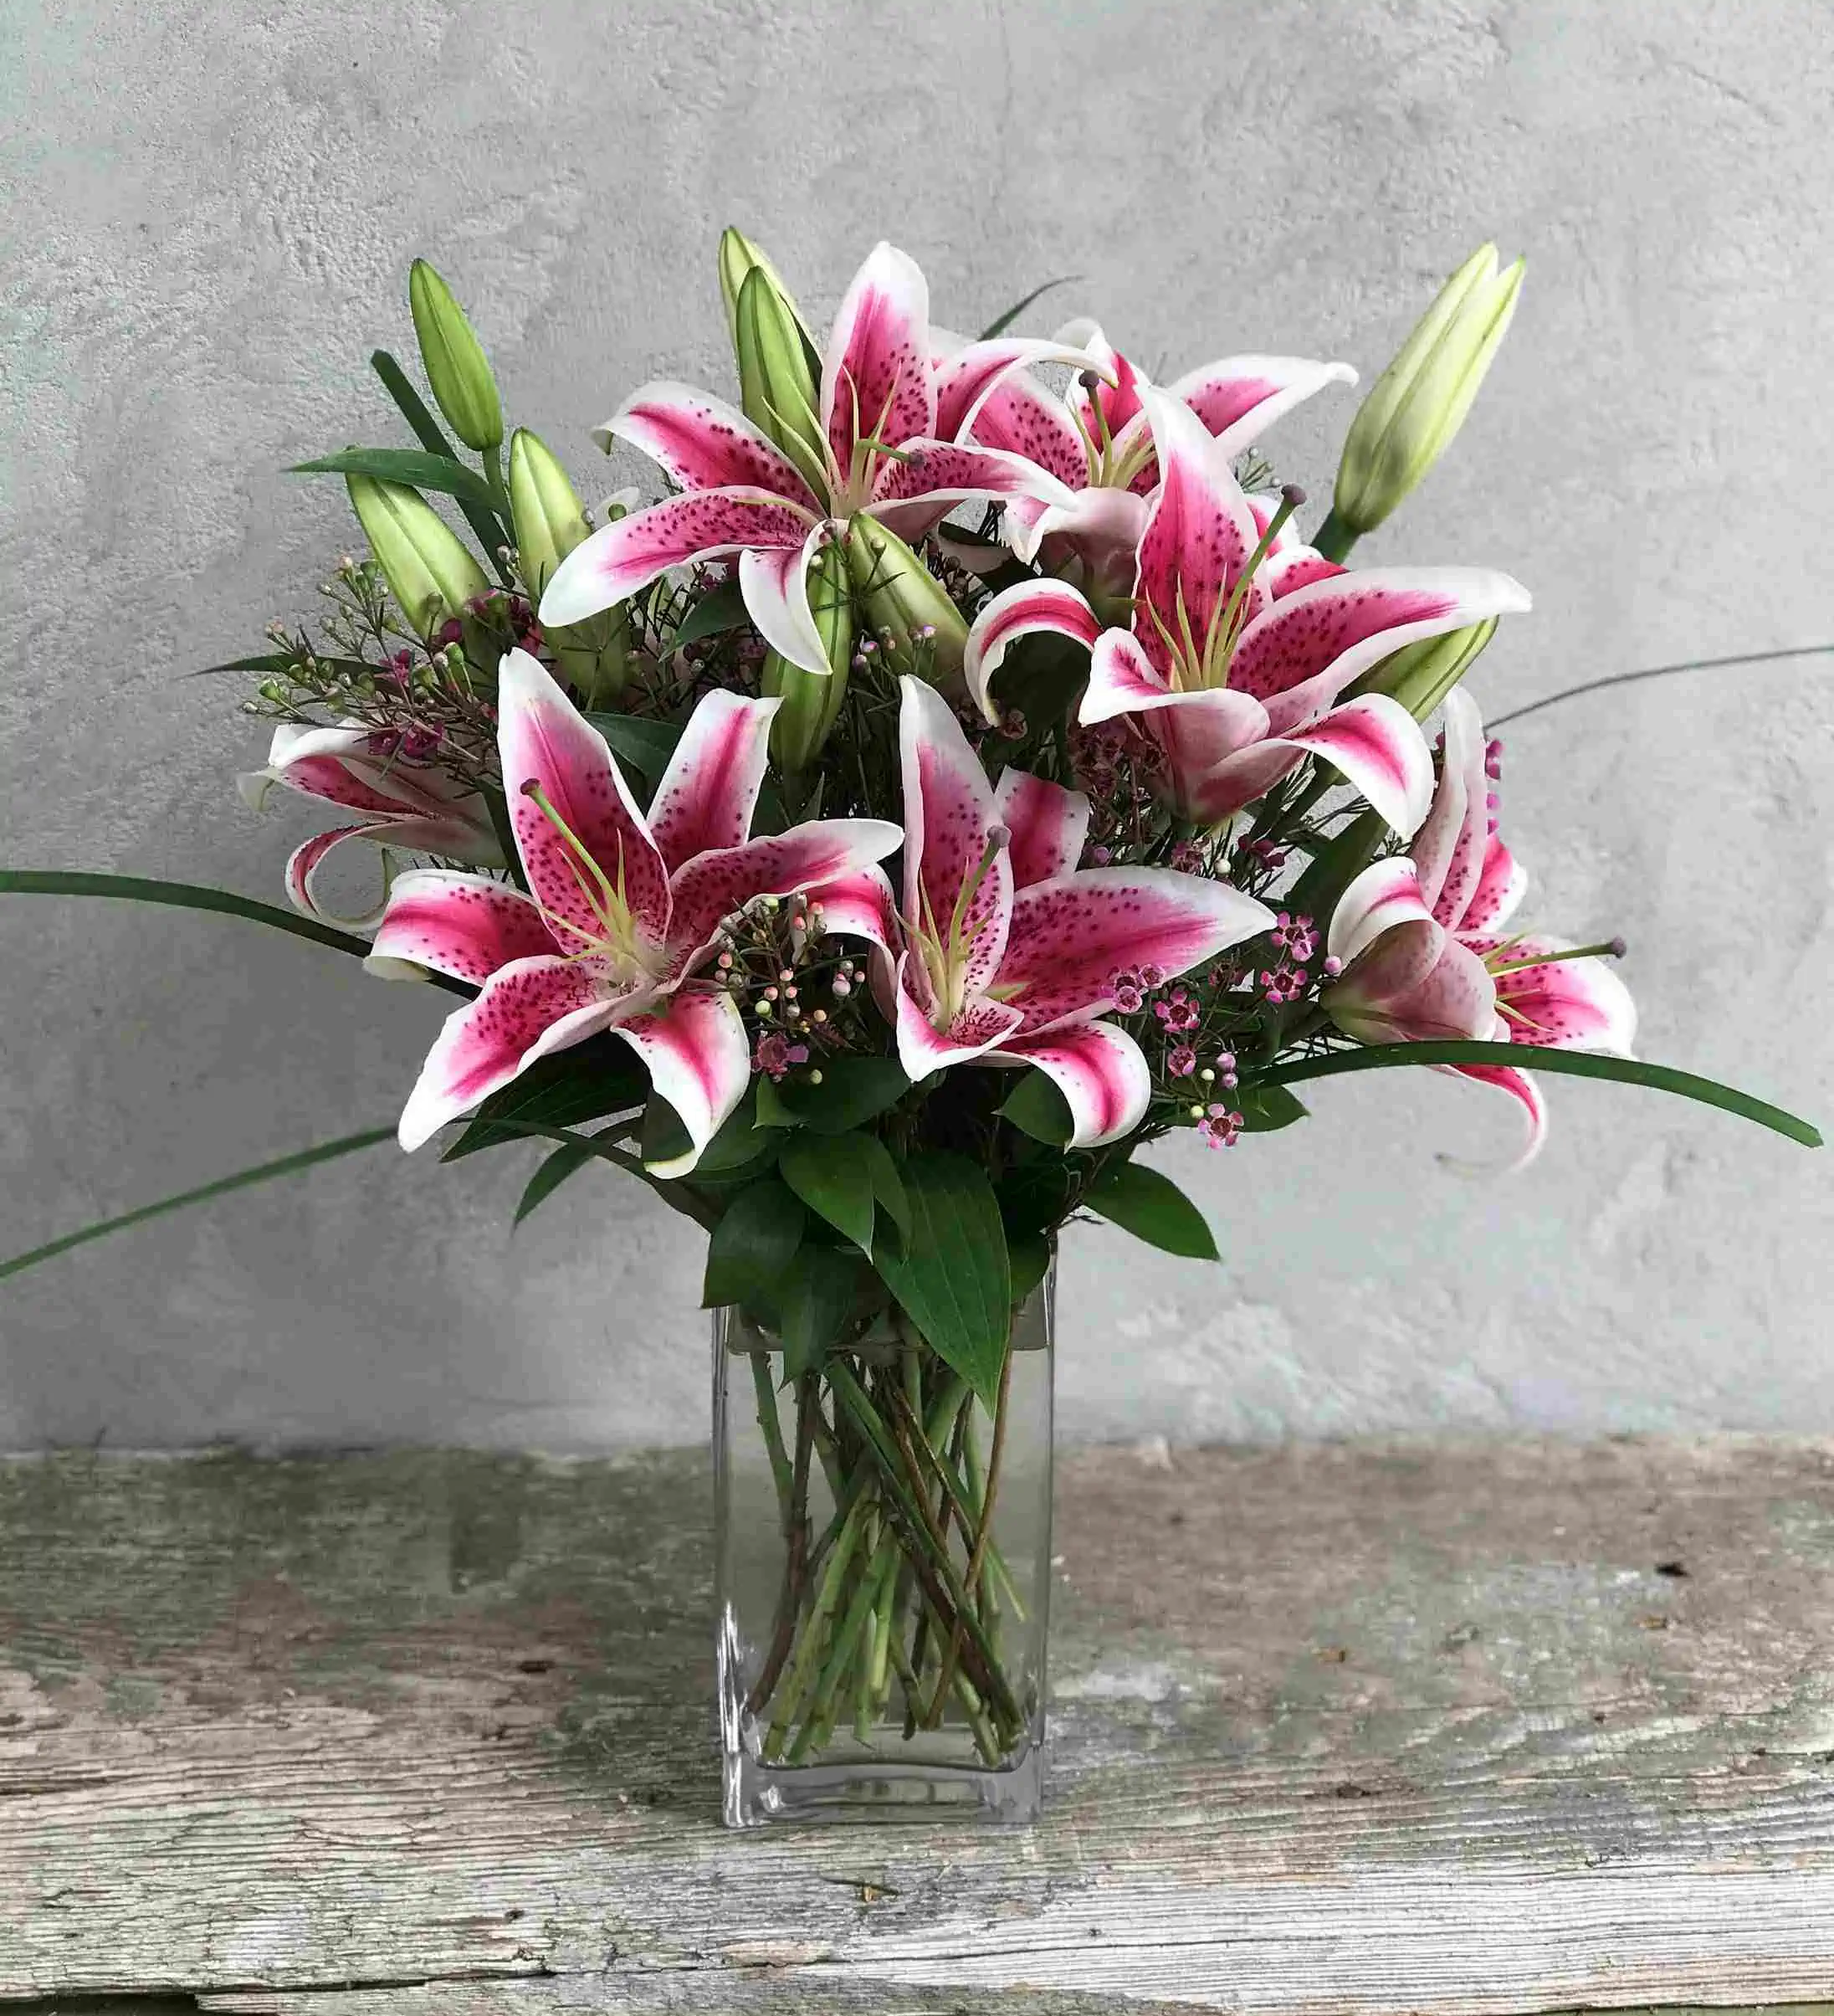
1006	952
406	803
624	907
887	437
1426	954
1098	443
1237	654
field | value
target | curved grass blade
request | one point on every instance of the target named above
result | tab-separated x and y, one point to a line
410	466
191	896
673	1191
1000	323
1631	679
1575	1063
287	1165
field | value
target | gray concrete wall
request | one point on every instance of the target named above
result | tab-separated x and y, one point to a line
209	209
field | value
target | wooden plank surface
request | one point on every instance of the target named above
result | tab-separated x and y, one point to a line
1491	1728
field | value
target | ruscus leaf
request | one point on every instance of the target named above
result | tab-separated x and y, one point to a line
755	1239
1153	1208
951	1276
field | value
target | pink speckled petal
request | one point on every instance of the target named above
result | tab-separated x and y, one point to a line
1048	824
922	1048
1299	653
859	905
1296	567
700	1061
1100	526
526	1011
967	380
709	791
1022	417
310	856
702	443
1071	936
1386	895
939	474
1375	744
775	583
1527	1094
1239	397
1500	890
1449	849
1562	1004
620	558
542	738
467	926
877	376
1018	612
949	816
1118	395
1101	1073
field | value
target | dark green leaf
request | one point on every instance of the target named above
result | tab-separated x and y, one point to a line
737	1146
952	1277
720	608
1575	1063
678	1196
1000	323
1267	1108
888	1185
1035	1106
287	1165
854	1089
590	1081
814	1302
1152	1207
1033	1196
647	746
428	431
832	1174
554	1171
419	470
1030	1257
752	1245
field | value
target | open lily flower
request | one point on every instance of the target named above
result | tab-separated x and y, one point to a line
1426	954
406	803
887	438
1237	654
624	908
1099	443
1006	952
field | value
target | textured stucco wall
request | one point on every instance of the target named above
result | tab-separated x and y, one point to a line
209	210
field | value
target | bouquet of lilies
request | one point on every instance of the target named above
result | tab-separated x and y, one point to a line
968	773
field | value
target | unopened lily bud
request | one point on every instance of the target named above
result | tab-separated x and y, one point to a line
454	362
739	257
428	569
812	701
545	508
778	380
1420	402
1419	675
920	629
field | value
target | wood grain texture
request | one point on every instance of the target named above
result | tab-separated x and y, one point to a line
1490	1728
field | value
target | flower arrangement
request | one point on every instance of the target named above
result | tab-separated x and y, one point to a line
967	775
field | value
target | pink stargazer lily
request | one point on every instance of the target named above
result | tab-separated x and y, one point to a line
1237	652
406	803
1099	443
1006	952
624	908
893	413
1425	956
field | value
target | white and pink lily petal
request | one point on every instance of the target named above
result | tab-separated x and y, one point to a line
623	907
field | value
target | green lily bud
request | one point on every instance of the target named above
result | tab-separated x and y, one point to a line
812	701
1419	675
739	257
428	569
918	626
545	508
1420	402
454	361
777	389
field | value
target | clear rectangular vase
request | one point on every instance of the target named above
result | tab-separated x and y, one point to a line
884	1576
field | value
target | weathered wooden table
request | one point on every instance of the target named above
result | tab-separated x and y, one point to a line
1487	1728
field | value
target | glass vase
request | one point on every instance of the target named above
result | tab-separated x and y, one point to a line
883	1575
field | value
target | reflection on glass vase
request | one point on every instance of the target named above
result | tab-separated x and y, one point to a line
883	1575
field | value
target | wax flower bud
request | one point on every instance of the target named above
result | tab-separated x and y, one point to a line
812	701
1420	402
454	362
428	569
920	627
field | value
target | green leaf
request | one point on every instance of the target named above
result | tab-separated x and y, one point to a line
1152	1207
832	1174
1575	1064
678	1196
888	1185
647	746
412	466
752	1245
1030	1258
287	1165
1035	1106
814	1301
1267	1108
189	895
952	1277
720	608
554	1171
853	1090
1034	1196
737	1146
1000	323
489	530
591	1081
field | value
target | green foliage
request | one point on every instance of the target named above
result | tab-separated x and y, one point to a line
646	746
754	1241
1000	323
1267	1108
854	1090
815	1302
409	465
1152	1207
1036	1107
738	1145
832	1174
720	608
554	1171
592	1081
952	1275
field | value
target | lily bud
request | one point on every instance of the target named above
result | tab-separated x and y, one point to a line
454	361
428	569
739	257
1420	402
1419	675
778	387
899	597
545	508
812	701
